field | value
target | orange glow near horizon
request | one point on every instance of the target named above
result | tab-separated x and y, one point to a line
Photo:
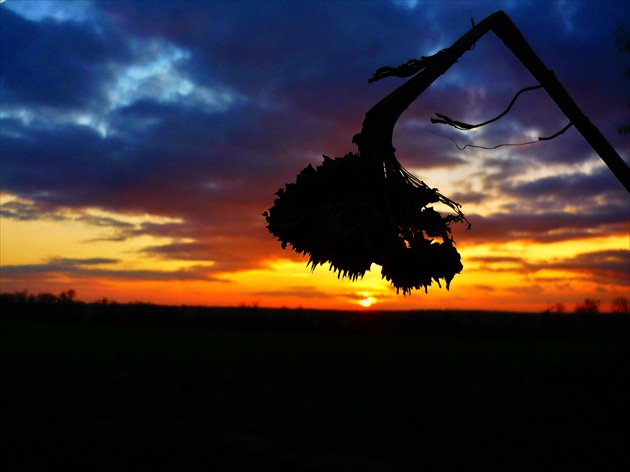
102	265
290	284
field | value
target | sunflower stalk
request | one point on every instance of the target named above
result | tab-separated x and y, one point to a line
365	207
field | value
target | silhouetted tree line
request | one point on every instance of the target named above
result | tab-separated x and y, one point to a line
25	297
592	306
65	307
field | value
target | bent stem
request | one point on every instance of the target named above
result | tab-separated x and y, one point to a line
375	139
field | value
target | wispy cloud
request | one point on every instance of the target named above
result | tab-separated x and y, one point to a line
93	268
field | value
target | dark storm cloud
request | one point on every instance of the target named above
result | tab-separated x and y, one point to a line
49	63
295	52
179	154
274	49
66	164
279	84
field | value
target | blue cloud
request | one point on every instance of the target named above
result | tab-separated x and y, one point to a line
62	65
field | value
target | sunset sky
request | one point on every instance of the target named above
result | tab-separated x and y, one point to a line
141	142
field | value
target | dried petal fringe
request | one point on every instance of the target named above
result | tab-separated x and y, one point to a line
345	214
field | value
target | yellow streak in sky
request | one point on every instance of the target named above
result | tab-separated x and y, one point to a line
37	241
288	282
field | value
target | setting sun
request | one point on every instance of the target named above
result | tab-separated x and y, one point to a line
367	300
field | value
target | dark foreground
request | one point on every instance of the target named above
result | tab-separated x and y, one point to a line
121	395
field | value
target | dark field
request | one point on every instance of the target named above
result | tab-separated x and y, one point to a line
245	397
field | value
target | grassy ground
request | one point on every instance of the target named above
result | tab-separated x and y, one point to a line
135	398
